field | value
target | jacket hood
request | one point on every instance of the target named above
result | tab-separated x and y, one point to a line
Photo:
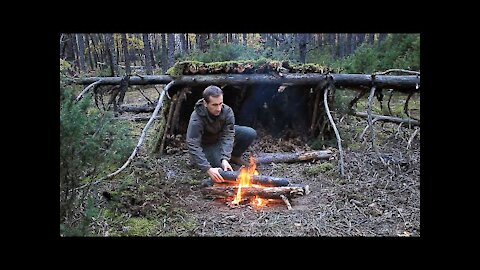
200	108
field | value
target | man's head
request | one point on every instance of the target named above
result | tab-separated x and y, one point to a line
213	99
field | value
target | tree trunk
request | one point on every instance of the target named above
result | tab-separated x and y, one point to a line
183	44
128	70
81	52
302	47
91	60
170	50
351	43
332	39
371	38
381	38
187	44
341	45
219	192
264	180
110	46
164	54
360	38
147	51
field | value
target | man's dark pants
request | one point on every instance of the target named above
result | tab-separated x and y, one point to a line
244	137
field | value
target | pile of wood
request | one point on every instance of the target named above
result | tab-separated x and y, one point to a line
265	187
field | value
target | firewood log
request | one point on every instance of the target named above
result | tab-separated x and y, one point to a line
263	180
225	191
293	157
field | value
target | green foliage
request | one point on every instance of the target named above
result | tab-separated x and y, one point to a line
400	51
89	143
320	143
318	168
141	227
364	60
320	56
81	228
219	52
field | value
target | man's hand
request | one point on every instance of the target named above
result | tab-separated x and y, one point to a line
214	173
226	166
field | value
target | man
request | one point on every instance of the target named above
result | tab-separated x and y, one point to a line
213	138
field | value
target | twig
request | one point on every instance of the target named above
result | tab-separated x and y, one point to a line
397	70
285	200
168	123
370	124
315	110
86	90
156	89
411	137
140	141
388	104
365	129
339	140
377	117
355	99
143	94
398	130
405	107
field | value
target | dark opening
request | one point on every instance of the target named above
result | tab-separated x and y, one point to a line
279	113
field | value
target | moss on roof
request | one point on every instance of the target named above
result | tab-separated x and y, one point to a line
260	66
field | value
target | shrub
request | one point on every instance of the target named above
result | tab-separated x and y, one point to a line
89	144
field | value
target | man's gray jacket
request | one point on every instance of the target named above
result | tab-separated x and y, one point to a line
206	129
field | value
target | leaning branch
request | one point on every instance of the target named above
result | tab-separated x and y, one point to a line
370	122
140	141
339	140
92	85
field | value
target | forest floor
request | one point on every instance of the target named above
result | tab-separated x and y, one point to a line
161	196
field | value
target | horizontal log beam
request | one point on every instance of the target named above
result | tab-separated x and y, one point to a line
405	82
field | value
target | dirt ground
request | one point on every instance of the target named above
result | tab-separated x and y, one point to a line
161	196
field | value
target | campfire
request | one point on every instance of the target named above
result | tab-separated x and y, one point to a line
248	187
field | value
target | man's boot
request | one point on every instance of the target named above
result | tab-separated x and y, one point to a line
238	161
207	182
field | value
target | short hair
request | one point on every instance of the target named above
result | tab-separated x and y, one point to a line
211	91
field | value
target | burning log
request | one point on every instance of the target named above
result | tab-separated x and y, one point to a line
293	157
264	180
220	191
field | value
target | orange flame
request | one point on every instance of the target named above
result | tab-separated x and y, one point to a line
245	180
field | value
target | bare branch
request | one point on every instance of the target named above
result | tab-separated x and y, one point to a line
140	141
339	140
411	137
397	70
87	89
370	123
405	107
